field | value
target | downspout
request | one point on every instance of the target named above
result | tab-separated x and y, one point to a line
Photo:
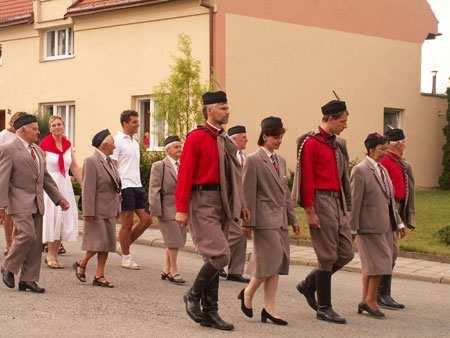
212	11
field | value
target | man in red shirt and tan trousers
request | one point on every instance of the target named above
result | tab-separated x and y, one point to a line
322	188
402	179
209	194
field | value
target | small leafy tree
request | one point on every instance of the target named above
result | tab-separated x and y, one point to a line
147	159
444	180
178	99
42	120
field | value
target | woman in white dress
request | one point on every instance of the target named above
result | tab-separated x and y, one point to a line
59	225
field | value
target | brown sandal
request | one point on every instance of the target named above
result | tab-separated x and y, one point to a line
53	265
80	275
176	278
164	275
101	281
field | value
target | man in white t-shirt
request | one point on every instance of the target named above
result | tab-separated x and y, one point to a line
7	135
134	197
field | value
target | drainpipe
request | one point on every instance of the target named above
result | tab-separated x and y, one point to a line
212	11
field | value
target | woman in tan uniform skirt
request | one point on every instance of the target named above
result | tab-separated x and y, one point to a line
373	218
161	197
268	199
101	207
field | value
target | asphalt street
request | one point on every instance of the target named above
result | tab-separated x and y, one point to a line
142	305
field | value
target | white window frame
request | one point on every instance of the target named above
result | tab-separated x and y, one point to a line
69	44
69	119
153	132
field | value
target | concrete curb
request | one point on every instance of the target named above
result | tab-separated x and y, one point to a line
159	243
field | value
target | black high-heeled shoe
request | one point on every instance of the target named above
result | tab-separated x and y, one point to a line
277	321
373	313
247	311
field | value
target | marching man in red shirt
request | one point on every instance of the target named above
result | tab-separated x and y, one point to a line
209	194
402	179
322	188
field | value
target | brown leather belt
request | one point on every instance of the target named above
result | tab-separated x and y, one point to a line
206	187
332	193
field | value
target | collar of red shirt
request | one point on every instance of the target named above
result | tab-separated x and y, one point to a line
324	133
214	128
393	155
326	136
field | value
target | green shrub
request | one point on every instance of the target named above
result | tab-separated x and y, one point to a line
76	187
147	159
352	163
291	175
444	235
42	120
444	180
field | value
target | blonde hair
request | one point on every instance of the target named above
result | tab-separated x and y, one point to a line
54	118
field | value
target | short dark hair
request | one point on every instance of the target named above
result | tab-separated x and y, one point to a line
126	115
270	132
326	118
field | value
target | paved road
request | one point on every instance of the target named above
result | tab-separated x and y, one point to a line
142	305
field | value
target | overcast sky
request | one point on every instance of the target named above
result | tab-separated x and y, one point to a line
436	53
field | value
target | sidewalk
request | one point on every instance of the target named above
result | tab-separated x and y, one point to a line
406	268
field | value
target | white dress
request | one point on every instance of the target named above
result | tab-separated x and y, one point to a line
58	224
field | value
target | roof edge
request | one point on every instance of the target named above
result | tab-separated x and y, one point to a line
103	8
17	20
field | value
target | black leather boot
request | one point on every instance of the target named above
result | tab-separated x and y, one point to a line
210	305
324	309
201	283
307	288
8	278
384	298
32	286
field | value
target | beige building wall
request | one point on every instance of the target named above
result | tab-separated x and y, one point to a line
117	55
289	70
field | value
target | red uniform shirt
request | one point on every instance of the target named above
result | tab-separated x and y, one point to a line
199	165
318	167
391	162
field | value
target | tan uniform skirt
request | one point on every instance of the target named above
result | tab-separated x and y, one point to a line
99	235
375	251
173	234
270	253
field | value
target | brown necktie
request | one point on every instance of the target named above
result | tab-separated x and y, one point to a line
241	158
383	178
274	159
34	157
108	159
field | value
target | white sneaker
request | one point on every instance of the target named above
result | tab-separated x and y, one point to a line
130	264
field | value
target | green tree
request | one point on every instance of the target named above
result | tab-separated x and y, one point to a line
444	180
178	98
42	120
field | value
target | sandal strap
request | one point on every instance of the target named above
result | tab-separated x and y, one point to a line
79	266
177	278
104	281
